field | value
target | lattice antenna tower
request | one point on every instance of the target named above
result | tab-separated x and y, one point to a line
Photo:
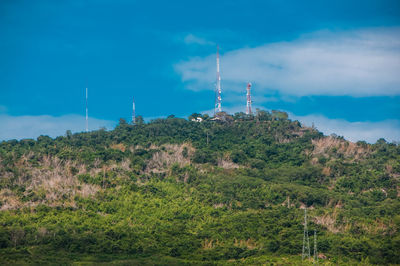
87	111
133	112
315	248
248	104
306	239
218	107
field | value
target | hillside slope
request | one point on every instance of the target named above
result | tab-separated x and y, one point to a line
178	191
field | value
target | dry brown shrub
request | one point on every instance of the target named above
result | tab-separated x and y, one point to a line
249	243
329	220
227	164
350	150
218	205
169	155
389	168
125	165
378	227
326	171
207	244
9	200
87	190
118	146
42	231
53	179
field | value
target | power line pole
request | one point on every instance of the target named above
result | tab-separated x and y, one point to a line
315	248
306	240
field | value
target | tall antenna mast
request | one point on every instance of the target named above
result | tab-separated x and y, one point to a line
248	105
133	112
218	107
306	240
87	112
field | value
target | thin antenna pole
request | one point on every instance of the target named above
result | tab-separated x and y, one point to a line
87	112
248	104
306	240
218	107
133	112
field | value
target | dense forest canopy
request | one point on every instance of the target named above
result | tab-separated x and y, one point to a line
225	190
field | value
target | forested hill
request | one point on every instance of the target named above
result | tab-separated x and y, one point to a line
176	191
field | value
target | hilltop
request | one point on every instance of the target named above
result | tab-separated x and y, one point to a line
177	191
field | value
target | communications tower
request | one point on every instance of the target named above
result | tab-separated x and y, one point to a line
133	112
218	107
248	105
87	112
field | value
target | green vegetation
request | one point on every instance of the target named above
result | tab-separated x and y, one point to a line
174	191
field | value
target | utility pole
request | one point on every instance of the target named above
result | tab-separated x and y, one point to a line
306	240
315	248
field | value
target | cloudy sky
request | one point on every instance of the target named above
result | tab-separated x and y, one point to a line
332	63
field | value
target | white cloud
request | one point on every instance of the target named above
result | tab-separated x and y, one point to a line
193	39
355	63
20	127
354	131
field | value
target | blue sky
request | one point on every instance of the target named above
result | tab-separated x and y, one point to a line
334	63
